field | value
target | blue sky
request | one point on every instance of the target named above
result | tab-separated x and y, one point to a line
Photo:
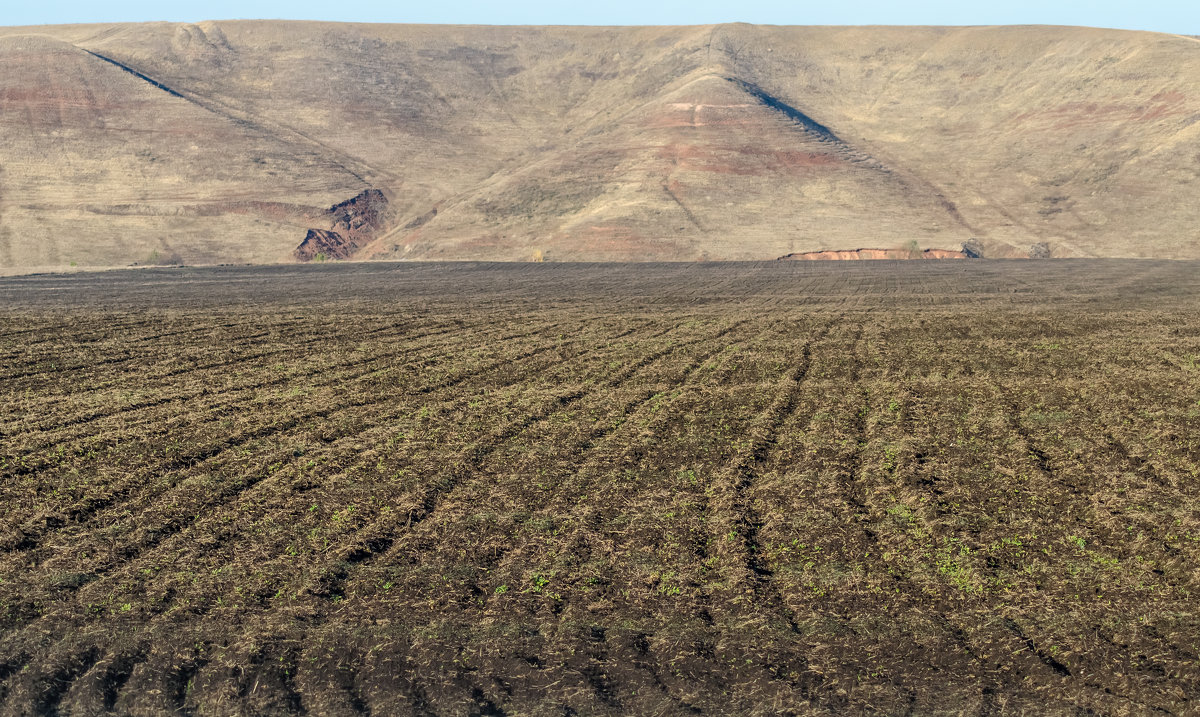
1178	16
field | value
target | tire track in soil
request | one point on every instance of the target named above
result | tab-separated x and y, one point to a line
416	697
40	330
522	425
156	360
645	662
56	370
736	514
745	470
584	452
850	486
1073	493
463	466
183	681
580	547
1003	633
96	691
42	688
957	632
162	535
385	535
1141	467
327	685
55	335
1043	464
190	371
159	681
851	494
909	595
1125	649
271	677
564	506
196	458
8	668
232	492
1007	630
278	331
643	658
87	366
219	394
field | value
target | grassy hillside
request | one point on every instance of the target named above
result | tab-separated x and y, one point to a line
227	142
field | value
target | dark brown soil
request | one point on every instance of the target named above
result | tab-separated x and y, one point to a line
779	488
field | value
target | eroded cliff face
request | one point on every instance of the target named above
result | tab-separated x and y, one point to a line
365	215
971	249
321	244
865	254
354	224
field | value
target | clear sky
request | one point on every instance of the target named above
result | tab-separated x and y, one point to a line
1177	16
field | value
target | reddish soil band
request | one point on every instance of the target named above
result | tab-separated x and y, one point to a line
866	254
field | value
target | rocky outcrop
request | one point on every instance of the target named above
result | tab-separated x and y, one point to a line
363	215
353	224
1041	250
320	244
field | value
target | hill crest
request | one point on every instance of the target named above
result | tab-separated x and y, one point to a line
231	141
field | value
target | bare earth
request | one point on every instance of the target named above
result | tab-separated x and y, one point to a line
923	487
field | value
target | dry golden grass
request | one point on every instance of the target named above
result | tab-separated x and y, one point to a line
225	142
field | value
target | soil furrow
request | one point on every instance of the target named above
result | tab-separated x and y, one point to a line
226	397
646	489
382	539
34	534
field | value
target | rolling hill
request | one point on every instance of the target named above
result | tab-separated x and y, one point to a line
268	141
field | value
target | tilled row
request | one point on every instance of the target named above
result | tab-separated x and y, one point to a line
606	513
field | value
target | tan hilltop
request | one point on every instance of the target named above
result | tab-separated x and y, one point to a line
257	141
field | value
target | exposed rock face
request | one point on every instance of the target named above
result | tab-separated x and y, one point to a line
865	254
943	254
324	244
973	248
1041	250
361	216
355	223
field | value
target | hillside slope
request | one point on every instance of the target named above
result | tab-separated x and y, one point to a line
256	141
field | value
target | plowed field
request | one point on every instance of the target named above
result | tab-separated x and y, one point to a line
887	487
